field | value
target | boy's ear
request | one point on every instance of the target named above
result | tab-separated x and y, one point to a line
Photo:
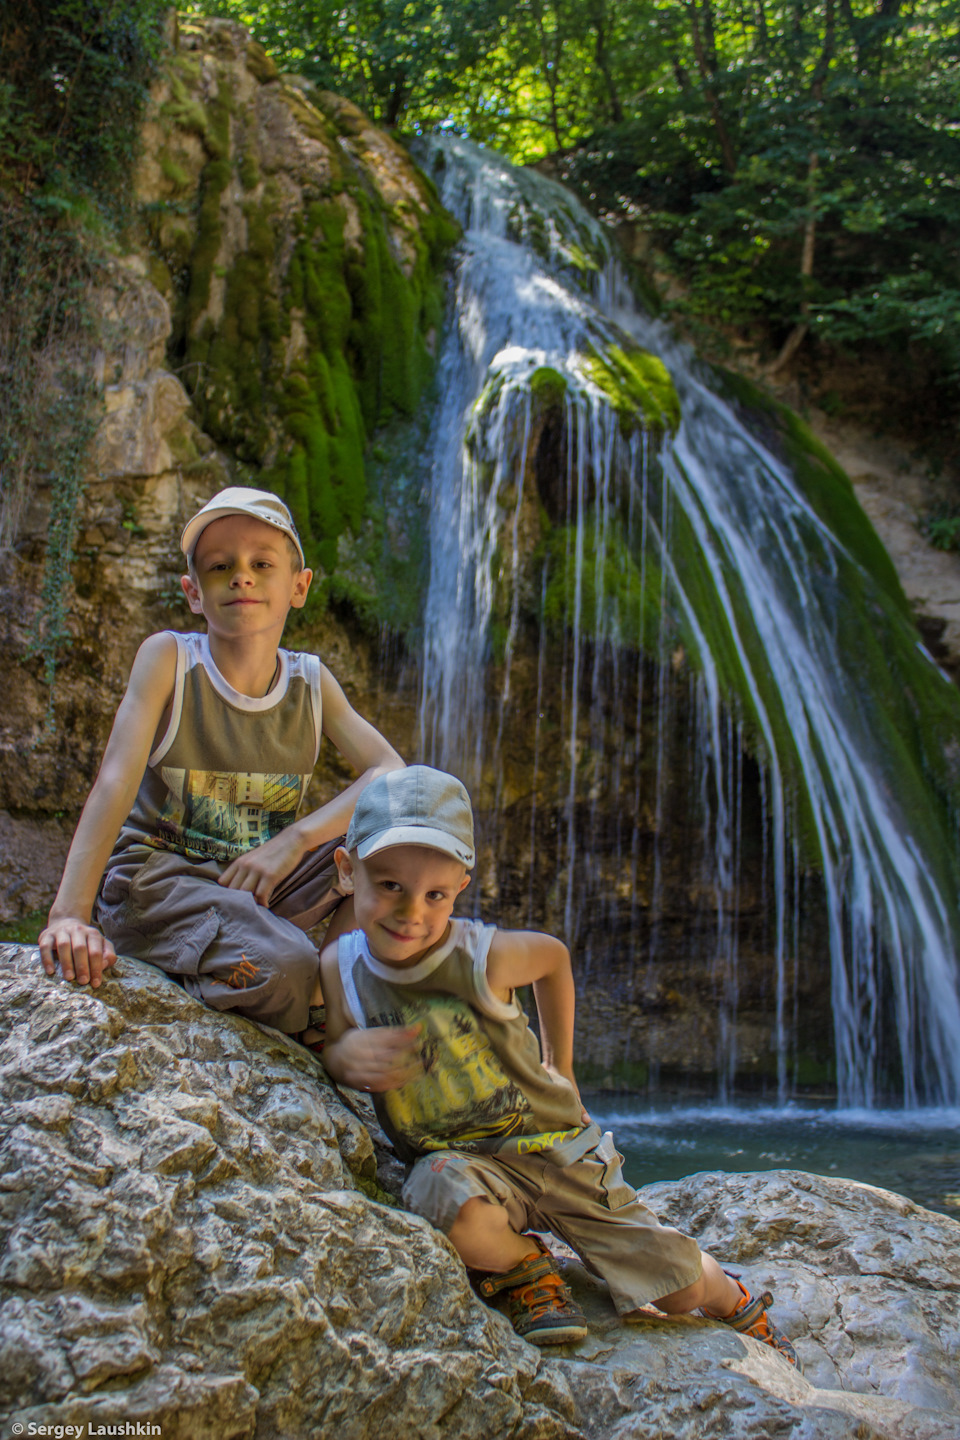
301	588
344	866
191	589
464	882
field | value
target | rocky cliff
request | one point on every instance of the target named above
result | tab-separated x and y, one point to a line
281	302
196	1237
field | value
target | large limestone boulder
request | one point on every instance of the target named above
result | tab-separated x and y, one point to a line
195	1236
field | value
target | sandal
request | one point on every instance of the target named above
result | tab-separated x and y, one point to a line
540	1306
749	1316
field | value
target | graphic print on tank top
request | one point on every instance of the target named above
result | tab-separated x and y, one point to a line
222	814
464	1096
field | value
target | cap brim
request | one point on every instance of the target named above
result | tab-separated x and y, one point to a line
417	835
194	528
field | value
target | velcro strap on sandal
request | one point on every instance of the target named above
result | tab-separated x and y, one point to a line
533	1268
746	1318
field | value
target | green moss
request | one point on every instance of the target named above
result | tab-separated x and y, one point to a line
249	169
178	177
626	1075
313	352
612	585
259	63
24	931
581	260
158	273
548	387
216	177
638	387
183	110
186	67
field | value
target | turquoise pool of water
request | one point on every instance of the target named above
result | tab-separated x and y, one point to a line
916	1153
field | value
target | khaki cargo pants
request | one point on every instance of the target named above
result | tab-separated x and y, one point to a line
226	949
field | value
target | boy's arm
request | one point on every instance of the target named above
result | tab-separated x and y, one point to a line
526	957
364	748
384	1058
69	937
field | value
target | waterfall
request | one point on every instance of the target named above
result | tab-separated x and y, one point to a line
660	561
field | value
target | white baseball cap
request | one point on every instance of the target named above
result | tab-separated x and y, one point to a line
416	806
241	500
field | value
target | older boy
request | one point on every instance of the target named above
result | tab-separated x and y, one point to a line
189	845
422	1011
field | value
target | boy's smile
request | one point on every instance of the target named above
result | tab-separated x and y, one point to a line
244	572
403	899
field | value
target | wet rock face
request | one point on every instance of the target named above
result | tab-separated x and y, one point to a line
190	1240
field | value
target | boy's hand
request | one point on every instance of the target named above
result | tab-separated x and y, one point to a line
384	1058
559	1075
260	870
82	951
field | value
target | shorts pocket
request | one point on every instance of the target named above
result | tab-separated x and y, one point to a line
613	1186
191	944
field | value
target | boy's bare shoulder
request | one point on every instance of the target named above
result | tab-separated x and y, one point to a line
155	663
520	957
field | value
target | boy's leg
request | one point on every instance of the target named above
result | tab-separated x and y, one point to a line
308	895
483	1214
225	948
590	1206
312	890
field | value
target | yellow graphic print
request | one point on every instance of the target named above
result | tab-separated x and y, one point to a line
219	815
464	1096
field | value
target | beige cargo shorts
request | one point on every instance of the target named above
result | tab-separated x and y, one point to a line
587	1204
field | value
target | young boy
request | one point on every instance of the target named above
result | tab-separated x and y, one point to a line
422	1011
189	847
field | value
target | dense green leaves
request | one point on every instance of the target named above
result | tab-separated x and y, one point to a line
74	75
796	164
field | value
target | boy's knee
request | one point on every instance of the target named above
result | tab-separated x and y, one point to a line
479	1211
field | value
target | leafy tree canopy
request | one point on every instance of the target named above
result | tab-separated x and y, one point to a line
797	163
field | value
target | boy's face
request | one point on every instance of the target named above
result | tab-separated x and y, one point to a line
403	898
246	577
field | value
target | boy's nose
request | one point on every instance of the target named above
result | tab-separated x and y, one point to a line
409	908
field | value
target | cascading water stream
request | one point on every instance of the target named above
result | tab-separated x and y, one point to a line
539	297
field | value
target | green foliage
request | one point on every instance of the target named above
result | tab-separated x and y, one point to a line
75	79
796	165
941	526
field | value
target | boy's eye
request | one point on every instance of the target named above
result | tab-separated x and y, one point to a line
391	885
437	896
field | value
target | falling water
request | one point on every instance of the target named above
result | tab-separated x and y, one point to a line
538	292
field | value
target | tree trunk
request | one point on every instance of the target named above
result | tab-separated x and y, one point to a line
707	65
598	19
796	337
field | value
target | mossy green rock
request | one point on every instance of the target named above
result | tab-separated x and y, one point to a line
303	255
